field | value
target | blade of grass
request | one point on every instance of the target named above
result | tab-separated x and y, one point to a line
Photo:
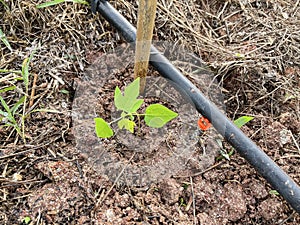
15	126
10	88
80	2
4	40
10	71
8	110
25	70
56	2
5	5
3	113
241	121
51	3
25	75
17	105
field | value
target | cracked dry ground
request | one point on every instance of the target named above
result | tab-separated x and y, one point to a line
253	49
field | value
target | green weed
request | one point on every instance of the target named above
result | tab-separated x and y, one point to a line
241	121
274	192
5	5
185	185
182	202
55	2
27	220
4	39
9	114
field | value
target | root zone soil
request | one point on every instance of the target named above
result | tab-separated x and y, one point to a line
150	154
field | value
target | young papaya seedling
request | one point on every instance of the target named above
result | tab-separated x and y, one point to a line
156	115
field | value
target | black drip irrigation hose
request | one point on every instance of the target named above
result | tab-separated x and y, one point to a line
246	148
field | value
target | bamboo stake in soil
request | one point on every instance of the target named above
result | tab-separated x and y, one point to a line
145	26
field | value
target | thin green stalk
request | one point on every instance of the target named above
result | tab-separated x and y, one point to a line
5	5
25	75
4	40
56	2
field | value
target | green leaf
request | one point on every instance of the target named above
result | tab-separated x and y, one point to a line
10	71
157	115
242	121
136	105
10	88
102	128
25	70
17	105
26	219
4	114
124	114
128	102
64	91
274	192
8	110
226	154
80	2
156	122
133	90
127	124
239	55
118	98
55	2
4	39
5	5
47	4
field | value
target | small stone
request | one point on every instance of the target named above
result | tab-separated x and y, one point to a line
285	136
110	215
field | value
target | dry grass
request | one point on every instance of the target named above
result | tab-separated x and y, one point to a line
243	37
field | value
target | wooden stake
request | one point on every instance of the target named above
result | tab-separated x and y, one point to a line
145	26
